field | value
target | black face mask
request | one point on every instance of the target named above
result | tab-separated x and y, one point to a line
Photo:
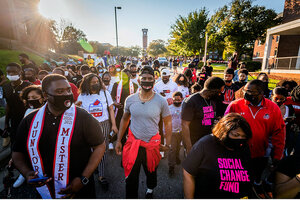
228	81
147	84
279	103
180	82
34	103
96	87
242	81
266	85
62	102
235	144
251	98
106	82
177	103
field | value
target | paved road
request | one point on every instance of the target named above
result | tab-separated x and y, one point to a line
167	188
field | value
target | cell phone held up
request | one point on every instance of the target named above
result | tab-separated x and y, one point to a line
37	180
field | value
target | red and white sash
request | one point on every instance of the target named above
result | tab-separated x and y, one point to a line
119	93
62	152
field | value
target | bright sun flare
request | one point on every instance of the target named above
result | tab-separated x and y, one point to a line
50	8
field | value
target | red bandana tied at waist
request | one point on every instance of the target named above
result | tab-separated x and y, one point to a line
131	149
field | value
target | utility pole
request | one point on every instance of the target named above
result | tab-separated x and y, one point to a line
117	41
205	51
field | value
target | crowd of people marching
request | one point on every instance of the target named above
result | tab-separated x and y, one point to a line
240	139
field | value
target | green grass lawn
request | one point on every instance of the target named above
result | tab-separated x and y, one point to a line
8	56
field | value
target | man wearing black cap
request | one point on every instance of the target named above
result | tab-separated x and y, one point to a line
200	110
230	87
143	144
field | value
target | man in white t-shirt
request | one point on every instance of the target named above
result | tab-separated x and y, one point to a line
166	87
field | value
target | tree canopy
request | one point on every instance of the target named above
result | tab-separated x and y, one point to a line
156	48
188	33
237	26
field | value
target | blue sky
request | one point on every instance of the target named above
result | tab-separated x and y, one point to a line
96	17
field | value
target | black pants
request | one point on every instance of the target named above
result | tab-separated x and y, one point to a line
258	165
175	148
132	181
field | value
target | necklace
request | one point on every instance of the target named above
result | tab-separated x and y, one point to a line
14	88
207	103
144	100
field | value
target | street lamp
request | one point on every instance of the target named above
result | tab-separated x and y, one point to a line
201	36
117	28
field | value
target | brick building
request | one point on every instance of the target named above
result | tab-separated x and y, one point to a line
281	51
259	48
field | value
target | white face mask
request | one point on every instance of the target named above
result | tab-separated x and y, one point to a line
66	73
118	69
13	78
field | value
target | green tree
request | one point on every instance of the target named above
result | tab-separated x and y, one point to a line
188	33
237	26
135	51
67	37
156	47
70	38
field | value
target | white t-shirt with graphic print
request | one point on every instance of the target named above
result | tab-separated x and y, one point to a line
96	104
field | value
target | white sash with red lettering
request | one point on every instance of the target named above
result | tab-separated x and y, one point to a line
119	93
62	152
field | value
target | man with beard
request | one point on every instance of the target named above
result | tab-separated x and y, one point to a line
166	87
54	143
230	88
200	110
142	147
267	125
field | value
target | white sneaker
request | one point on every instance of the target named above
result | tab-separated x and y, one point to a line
19	181
110	146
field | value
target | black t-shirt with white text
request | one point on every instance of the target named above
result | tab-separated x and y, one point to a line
87	134
219	173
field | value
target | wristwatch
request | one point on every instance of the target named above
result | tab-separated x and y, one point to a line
84	180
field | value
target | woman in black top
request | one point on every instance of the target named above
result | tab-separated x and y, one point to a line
217	166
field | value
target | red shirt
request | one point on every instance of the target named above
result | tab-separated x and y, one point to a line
37	82
266	122
74	91
296	106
